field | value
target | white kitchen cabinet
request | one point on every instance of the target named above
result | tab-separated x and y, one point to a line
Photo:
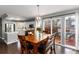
11	37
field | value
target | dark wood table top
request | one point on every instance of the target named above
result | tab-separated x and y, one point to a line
33	39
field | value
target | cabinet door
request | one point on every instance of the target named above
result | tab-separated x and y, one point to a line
9	27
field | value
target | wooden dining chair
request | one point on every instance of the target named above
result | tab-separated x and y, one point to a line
29	47
54	45
50	45
52	38
42	46
22	43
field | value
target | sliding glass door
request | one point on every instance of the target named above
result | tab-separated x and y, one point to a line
70	30
56	28
53	25
47	26
65	28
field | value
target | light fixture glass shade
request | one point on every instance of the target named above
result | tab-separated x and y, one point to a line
38	18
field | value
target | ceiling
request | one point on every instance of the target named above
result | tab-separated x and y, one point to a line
31	10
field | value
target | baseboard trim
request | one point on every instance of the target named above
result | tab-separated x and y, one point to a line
10	42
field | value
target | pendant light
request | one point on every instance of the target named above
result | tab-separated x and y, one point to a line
38	16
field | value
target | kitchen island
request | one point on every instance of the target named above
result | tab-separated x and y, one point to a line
11	37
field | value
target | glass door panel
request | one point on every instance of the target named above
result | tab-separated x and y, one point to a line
47	26
9	27
70	30
56	28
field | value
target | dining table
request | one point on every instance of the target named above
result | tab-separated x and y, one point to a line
36	41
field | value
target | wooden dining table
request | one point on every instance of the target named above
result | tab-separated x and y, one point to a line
35	41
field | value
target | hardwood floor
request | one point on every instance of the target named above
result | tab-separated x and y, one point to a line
3	47
8	49
15	49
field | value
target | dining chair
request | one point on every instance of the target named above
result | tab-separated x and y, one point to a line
42	46
22	43
29	47
52	38
51	44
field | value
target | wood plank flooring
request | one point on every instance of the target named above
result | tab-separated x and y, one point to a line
15	49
